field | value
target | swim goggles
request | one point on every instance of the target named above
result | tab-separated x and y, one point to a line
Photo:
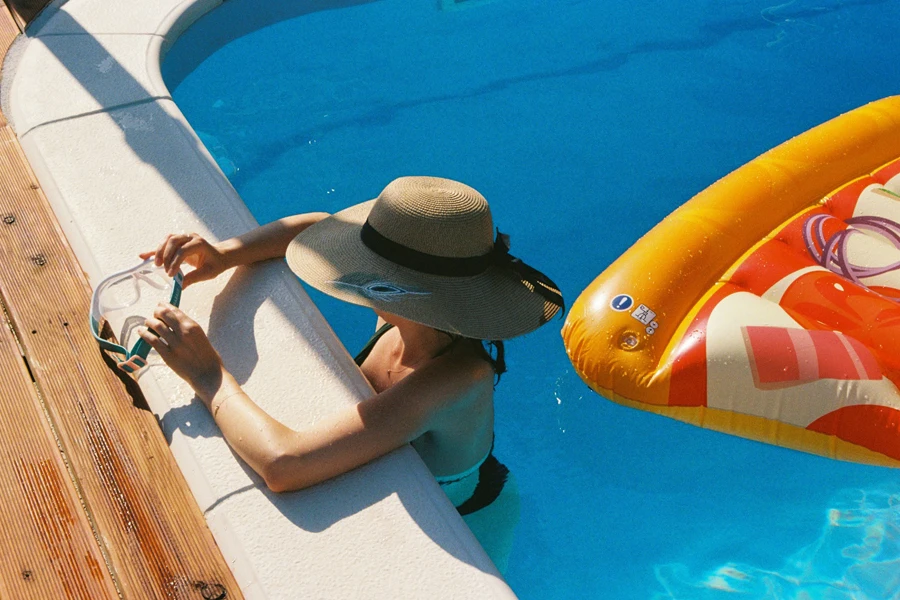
122	290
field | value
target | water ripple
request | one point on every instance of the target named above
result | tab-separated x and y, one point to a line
857	557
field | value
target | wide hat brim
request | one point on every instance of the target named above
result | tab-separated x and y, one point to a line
494	305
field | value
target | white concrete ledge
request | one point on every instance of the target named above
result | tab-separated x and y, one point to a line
122	168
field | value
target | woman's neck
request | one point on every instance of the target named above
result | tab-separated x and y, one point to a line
418	342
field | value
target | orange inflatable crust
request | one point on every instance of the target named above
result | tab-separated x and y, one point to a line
767	306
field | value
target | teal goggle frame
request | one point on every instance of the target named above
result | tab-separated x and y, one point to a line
136	358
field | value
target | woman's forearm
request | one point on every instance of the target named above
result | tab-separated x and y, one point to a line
255	436
292	460
286	459
265	242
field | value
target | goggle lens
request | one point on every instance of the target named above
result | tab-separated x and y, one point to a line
123	291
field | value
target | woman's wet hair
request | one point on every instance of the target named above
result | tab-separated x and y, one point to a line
497	358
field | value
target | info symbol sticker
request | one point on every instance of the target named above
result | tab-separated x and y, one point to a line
621	303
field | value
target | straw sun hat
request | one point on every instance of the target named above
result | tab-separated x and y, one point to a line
425	250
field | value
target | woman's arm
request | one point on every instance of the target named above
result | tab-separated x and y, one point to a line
292	460
209	260
267	241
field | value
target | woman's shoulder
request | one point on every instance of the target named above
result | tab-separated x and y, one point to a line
459	379
470	356
455	375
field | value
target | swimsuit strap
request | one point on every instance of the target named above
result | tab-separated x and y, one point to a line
445	479
367	349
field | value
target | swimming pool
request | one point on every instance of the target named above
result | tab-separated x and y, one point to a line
583	124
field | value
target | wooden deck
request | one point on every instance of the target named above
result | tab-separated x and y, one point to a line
94	505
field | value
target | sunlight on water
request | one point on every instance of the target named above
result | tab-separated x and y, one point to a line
857	557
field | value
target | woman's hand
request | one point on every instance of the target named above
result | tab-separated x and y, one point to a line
208	260
184	346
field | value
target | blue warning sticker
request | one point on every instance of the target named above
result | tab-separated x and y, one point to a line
621	303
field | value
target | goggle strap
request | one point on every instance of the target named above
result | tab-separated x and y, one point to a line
177	285
141	348
105	344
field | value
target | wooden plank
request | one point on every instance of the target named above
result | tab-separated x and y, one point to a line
157	540
46	541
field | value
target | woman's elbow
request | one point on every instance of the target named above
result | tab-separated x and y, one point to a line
276	484
272	461
280	476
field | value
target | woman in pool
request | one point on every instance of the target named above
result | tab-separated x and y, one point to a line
424	257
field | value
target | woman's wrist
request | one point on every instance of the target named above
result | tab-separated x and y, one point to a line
214	383
228	249
219	400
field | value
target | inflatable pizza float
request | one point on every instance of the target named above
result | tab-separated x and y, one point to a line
768	306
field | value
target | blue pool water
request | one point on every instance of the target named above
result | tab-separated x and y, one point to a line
584	123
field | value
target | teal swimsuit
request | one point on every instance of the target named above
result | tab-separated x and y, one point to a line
481	483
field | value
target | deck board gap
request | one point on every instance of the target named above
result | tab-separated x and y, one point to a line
76	483
9	323
70	471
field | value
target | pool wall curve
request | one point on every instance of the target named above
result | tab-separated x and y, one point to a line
122	167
